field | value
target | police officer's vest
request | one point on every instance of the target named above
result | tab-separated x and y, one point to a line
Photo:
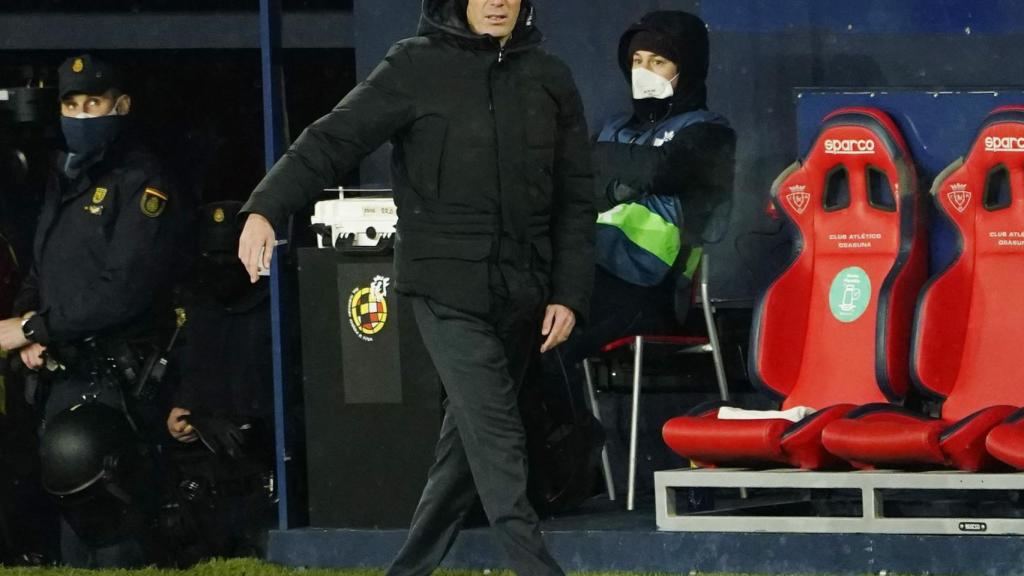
640	242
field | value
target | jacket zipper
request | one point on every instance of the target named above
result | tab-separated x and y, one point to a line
490	79
494	121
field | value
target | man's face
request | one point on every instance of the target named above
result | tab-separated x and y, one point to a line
92	105
494	18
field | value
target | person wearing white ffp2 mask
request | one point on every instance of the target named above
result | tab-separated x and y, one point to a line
661	169
651	76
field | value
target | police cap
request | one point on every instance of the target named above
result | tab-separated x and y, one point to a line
87	75
218	226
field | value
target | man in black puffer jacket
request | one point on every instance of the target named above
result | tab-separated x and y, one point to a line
492	178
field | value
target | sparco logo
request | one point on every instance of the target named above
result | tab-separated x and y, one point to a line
1004	144
835	146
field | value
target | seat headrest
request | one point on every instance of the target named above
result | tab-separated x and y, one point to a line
859	165
990	177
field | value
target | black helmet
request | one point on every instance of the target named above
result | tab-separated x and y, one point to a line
92	463
83	445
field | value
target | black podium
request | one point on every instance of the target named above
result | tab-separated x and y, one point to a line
372	396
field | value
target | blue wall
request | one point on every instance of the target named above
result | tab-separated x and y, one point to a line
762	51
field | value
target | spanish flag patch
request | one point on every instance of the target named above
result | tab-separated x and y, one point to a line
153	202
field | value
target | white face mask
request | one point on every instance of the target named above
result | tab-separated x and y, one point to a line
647	84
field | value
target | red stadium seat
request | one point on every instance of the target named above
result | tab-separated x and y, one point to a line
833	330
969	324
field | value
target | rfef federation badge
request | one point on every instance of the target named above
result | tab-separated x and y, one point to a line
153	202
368	308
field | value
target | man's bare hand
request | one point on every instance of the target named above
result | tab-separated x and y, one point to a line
558	324
256	245
180	430
32	356
11	335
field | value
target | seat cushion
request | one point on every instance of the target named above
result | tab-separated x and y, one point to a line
964	442
883	435
1005	442
802	441
886	436
708	441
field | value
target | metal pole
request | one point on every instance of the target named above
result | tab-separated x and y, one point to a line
709	320
273	147
638	361
606	467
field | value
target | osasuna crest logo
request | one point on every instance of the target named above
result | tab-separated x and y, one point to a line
798	198
959	197
368	308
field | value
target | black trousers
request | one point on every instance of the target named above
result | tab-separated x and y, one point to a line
617	309
482	446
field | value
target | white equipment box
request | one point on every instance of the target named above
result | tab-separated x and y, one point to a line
366	223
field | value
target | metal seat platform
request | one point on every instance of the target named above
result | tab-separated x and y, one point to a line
870	502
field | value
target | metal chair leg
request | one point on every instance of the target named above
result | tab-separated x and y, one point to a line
606	467
716	349
638	348
709	320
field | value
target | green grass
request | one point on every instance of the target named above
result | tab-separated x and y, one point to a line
249	567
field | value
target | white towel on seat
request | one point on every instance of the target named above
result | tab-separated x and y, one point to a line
794	414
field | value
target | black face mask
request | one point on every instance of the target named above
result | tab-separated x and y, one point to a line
88	136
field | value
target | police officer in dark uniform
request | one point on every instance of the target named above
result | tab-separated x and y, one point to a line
223	405
224	346
88	311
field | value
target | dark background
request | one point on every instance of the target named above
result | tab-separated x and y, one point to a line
196	66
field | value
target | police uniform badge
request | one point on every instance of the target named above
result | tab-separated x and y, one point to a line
218	215
99	195
153	202
78	65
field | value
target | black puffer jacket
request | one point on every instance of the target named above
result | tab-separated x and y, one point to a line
490	148
697	165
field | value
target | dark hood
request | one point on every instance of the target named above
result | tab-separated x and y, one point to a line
689	35
449	17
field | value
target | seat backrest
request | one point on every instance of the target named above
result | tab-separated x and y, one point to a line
969	329
834	327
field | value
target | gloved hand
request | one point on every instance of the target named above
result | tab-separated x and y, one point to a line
219	434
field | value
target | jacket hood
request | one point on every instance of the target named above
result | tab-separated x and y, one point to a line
449	17
689	35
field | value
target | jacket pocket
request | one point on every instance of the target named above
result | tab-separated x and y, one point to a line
453	271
